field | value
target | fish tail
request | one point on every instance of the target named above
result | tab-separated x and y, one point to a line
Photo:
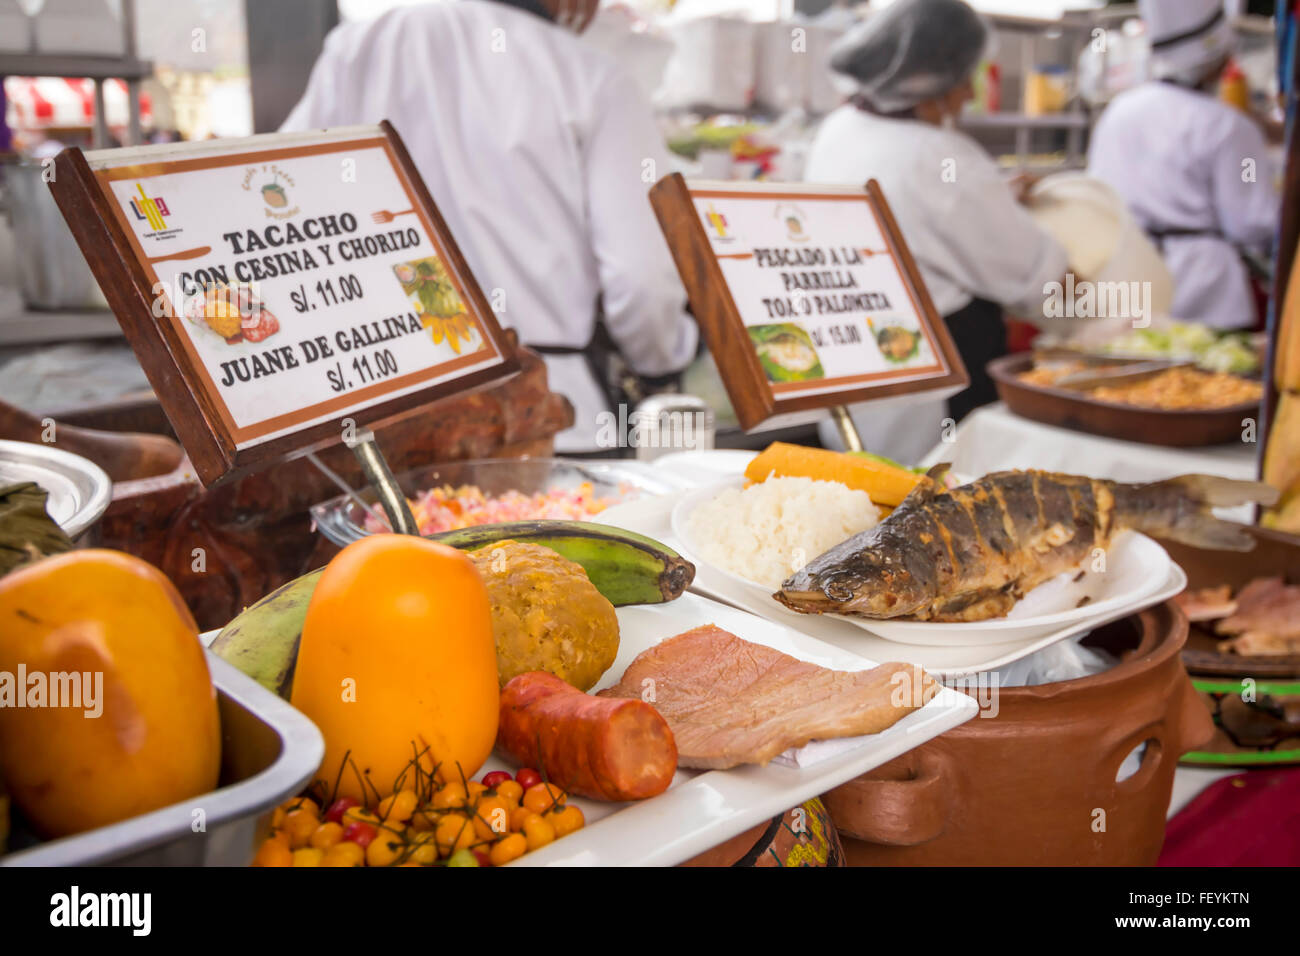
1181	509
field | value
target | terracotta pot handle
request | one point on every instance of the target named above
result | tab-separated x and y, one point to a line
1195	724
892	812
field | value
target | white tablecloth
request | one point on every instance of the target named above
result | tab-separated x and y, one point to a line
993	438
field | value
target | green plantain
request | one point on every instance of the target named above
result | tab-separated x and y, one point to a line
627	568
262	641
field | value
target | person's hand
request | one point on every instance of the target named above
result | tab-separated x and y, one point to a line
1021	186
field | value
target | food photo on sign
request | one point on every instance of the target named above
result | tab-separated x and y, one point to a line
541	434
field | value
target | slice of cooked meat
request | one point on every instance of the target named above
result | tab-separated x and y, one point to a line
1260	589
730	701
1207	604
1261	643
1276	610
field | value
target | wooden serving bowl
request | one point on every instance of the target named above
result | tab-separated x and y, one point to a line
1066	408
1035	784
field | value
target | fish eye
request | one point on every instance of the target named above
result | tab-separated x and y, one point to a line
837	592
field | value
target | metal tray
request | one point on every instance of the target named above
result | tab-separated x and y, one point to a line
269	751
342	520
79	490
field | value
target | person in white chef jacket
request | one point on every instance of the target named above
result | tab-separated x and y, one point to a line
539	150
1195	171
977	248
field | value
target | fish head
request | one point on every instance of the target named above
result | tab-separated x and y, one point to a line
872	582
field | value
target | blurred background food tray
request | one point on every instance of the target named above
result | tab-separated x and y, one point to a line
1254	699
1074	410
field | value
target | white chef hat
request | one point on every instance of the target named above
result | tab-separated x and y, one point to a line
912	51
1187	36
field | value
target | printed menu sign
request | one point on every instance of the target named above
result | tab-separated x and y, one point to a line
294	280
814	285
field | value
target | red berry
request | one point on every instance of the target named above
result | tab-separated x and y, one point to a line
495	778
360	833
528	777
340	806
483	858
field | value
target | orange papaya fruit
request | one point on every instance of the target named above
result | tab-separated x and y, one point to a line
397	662
107	708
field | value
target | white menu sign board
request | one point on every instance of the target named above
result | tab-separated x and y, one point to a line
823	299
807	295
295	278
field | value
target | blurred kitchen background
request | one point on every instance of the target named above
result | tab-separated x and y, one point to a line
740	87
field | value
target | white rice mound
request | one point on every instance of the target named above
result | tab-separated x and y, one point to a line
769	530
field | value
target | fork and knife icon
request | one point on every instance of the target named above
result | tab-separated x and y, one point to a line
384	217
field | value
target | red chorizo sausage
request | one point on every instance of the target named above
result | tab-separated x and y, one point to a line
606	748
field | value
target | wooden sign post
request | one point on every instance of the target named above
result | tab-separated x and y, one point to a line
807	296
281	291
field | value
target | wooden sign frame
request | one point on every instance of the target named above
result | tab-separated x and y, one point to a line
753	396
217	448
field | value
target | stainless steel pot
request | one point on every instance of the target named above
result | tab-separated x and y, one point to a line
269	751
52	272
79	490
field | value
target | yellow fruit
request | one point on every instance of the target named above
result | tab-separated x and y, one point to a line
544	796
512	847
326	835
450	796
424	820
273	852
454	832
308	856
384	849
491	818
567	820
424	850
143	731
511	791
519	816
397	648
344	854
538	832
398	807
300	825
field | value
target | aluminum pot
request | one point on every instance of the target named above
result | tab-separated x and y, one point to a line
1036	784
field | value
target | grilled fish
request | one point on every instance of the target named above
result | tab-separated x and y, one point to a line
971	553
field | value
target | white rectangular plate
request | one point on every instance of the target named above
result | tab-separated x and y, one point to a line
705	808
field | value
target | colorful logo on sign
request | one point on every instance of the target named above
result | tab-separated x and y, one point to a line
718	223
150	210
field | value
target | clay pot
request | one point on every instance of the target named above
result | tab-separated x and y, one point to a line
1036	784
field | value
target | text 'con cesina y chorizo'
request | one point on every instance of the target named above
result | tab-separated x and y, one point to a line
283	262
